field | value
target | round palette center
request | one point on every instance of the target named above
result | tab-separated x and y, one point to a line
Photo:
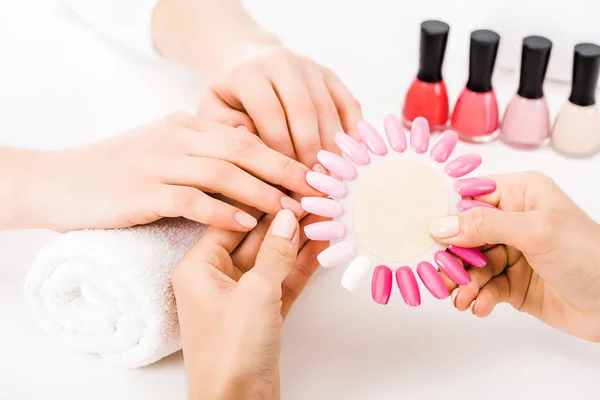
394	208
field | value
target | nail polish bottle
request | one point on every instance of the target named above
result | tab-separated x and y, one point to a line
475	116
526	121
427	96
576	131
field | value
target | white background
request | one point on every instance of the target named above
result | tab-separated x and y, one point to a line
62	84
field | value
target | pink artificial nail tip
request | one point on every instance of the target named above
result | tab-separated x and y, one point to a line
352	148
419	135
407	283
337	165
395	133
327	184
443	148
336	255
325	230
452	268
463	165
381	285
322	207
432	280
465	205
472	257
371	138
474	186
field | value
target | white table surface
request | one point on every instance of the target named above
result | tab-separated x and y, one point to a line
61	84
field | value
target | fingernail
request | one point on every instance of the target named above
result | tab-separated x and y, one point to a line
395	133
356	272
453	296
337	165
409	289
463	165
245	220
381	285
326	184
242	127
336	255
322	207
319	168
419	135
432	280
472	257
474	186
284	224
452	268
472	307
292	205
371	138
465	205
444	227
443	148
352	148
325	230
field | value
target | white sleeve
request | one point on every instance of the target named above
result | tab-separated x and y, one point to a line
126	21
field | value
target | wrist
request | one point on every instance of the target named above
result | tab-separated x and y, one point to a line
232	385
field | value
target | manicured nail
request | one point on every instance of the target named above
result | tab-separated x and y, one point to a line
395	133
472	257
452	268
443	148
358	270
245	220
381	285
409	289
419	135
243	127
352	148
453	296
463	165
292	205
371	138
472	307
432	280
445	227
325	230
465	205
337	165
336	255
327	184
474	186
284	224
319	169
322	207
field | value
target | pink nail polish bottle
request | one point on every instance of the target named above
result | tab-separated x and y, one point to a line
526	122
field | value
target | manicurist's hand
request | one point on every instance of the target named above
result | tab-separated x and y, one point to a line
166	169
231	303
544	257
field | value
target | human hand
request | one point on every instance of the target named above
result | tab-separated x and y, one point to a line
231	303
547	259
294	104
162	170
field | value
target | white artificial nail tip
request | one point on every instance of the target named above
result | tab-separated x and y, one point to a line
358	270
453	296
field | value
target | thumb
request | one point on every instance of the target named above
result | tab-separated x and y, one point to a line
277	254
480	226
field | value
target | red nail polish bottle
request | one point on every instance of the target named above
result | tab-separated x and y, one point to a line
427	96
475	116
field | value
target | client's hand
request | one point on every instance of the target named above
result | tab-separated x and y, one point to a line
164	169
548	259
231	303
295	105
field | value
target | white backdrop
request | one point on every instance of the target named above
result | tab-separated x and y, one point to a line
61	84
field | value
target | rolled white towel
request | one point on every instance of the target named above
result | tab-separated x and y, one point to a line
108	292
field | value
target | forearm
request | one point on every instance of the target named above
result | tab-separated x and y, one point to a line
205	34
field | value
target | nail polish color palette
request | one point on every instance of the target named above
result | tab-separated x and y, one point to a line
382	208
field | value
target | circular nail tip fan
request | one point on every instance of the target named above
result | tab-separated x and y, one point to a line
358	168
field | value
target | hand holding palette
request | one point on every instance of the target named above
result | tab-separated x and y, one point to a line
381	217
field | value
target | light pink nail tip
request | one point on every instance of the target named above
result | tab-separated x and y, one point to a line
322	207
325	230
352	148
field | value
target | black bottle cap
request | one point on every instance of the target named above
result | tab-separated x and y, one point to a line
482	58
434	35
586	64
534	63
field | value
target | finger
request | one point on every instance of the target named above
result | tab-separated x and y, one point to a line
191	203
182	119
348	107
496	291
243	150
327	115
217	176
299	110
213	108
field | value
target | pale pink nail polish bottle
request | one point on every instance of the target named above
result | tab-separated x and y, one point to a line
526	122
